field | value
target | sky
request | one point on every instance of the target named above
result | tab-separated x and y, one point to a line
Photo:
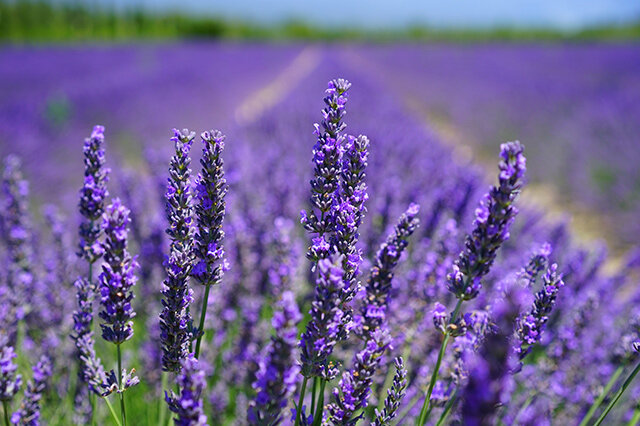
560	14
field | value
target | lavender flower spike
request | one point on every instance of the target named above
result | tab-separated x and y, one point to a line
211	188
29	412
16	235
175	319
188	405
355	386
489	374
494	216
277	375
323	329
92	195
92	371
394	395
530	326
117	278
325	184
9	381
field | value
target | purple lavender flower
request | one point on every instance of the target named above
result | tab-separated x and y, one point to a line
188	405
537	263
16	235
117	278
9	381
494	216
278	373
93	195
283	264
488	384
394	395
531	325
349	212
175	319
29	412
324	328
210	190
378	285
91	371
327	155
355	385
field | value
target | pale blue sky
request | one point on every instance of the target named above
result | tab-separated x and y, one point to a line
563	14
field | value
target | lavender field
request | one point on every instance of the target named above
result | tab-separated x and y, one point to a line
403	261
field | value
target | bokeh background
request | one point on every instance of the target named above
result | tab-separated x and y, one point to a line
563	77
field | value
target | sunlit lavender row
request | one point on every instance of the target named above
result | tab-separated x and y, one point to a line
353	271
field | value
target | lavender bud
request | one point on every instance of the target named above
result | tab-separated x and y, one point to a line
93	195
394	395
188	405
494	216
175	319
117	278
278	373
210	190
29	412
323	329
531	325
9	381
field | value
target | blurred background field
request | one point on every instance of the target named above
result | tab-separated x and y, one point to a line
569	89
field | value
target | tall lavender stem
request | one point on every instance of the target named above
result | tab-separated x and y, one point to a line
494	216
92	198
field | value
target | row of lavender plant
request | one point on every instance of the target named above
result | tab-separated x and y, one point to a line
435	323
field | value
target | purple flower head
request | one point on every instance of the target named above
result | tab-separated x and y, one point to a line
489	376
531	325
92	370
118	276
188	405
175	319
395	394
16	234
29	412
354	387
491	226
537	263
278	373
324	328
92	195
211	188
10	382
327	161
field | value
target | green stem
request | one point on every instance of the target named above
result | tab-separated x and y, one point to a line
92	399
303	389
113	413
447	408
603	395
122	409
163	405
203	314
615	399
526	404
426	405
5	406
313	396
636	417
317	419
